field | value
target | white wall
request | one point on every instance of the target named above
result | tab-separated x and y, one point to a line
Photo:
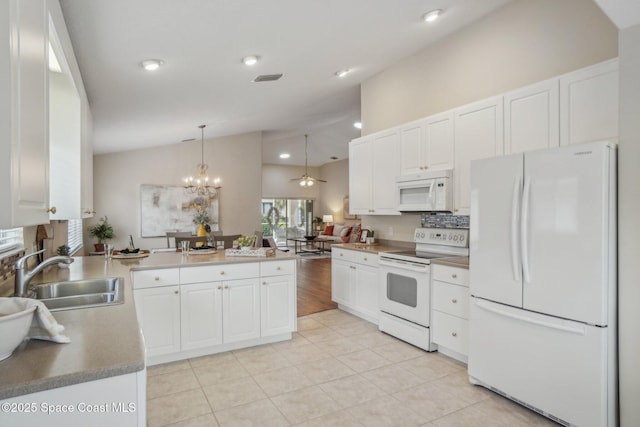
628	230
235	159
277	184
332	193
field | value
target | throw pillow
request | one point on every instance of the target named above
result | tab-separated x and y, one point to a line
328	230
337	229
355	234
345	232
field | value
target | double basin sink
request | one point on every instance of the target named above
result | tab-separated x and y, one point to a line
86	293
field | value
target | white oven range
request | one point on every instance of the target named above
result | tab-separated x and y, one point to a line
405	283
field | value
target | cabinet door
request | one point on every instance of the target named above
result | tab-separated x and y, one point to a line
478	134
158	311
277	305
341	289
241	310
386	167
412	148
24	98
201	315
531	118
366	289
360	185
439	141
589	104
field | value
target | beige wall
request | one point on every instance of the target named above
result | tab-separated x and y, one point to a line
235	159
629	232
332	193
523	42
277	184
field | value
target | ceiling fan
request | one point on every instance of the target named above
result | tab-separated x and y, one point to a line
306	180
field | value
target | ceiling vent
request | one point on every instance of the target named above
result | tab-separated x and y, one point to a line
267	78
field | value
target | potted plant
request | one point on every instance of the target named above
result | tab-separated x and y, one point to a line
318	223
63	250
102	231
245	242
201	217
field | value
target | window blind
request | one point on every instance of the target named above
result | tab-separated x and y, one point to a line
10	238
74	235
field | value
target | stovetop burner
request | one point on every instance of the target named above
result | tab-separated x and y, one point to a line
433	243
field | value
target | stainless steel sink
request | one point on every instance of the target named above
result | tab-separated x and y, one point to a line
80	293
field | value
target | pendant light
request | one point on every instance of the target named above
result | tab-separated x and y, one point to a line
201	185
306	180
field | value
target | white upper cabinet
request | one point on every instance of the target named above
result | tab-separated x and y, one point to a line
589	104
24	128
478	130
531	118
374	163
427	144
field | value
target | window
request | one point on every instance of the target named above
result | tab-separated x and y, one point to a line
285	219
74	235
10	238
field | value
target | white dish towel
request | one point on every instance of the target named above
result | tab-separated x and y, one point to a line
44	326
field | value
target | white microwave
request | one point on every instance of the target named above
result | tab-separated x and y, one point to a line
426	192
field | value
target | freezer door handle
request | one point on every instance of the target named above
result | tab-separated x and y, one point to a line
515	216
524	230
564	328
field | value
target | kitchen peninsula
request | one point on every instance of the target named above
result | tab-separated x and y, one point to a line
106	361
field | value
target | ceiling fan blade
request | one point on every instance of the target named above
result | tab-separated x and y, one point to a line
316	179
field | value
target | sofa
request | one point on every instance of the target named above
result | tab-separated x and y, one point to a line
339	233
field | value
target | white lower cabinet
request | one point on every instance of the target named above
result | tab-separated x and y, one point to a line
450	310
354	282
158	311
190	311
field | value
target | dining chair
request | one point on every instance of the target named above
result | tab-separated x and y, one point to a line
193	240
173	234
228	240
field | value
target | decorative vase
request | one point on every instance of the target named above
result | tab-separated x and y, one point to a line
99	247
201	231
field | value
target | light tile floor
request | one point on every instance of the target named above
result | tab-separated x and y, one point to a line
338	370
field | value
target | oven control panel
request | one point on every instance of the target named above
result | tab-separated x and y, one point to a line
443	236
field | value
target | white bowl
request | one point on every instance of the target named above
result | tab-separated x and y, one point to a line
14	327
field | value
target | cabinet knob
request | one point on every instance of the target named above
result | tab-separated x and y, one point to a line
226	286
264	283
89	211
222	273
278	268
453	300
454	275
52	210
220	287
454	334
175	292
341	254
365	259
156	278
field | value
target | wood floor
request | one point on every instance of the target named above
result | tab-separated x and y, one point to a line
314	286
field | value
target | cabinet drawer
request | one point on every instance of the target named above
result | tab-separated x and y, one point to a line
341	254
211	273
277	268
451	332
445	273
365	258
154	278
452	299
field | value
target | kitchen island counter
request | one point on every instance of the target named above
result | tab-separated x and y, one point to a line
105	341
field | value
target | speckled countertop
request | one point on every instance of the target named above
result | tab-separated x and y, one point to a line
42	365
454	261
375	248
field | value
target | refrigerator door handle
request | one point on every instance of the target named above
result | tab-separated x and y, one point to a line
564	328
524	230
515	203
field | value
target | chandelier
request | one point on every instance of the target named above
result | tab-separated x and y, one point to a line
306	180
201	185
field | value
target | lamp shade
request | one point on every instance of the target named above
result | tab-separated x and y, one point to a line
327	218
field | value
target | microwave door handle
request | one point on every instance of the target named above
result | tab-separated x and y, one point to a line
432	195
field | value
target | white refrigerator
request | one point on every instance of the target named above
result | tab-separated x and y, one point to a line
543	281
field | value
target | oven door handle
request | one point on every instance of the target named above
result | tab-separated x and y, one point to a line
420	268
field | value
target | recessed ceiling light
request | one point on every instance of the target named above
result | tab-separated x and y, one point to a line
432	16
357	125
250	60
151	64
342	73
285	155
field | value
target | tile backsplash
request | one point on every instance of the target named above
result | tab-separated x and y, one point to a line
441	220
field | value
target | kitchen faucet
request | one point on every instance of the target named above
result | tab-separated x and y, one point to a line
23	277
